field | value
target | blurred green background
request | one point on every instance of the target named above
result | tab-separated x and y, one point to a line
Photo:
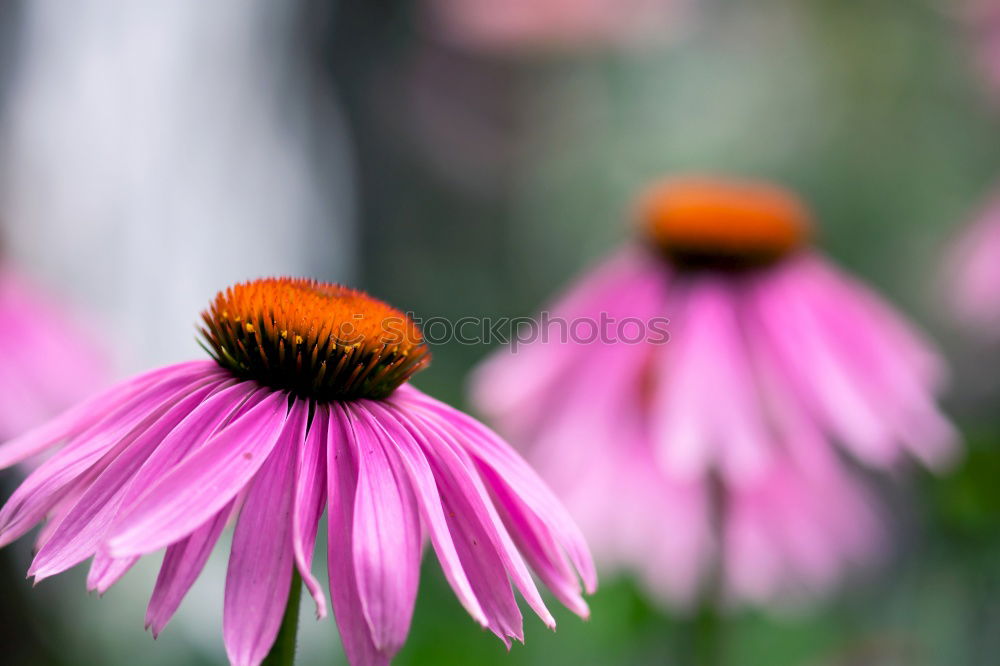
485	182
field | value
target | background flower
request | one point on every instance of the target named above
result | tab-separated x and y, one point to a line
732	435
521	25
973	271
49	362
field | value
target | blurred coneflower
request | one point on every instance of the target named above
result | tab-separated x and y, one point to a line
48	362
972	268
983	18
552	25
712	458
973	273
305	407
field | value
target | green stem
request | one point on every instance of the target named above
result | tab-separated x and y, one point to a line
708	626
283	651
706	640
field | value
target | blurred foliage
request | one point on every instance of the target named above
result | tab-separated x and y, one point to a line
966	503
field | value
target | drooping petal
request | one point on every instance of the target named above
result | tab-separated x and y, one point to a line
538	546
386	537
182	563
455	470
201	485
85	458
520	389
105	571
971	267
802	348
752	567
261	560
60	510
707	359
210	417
99	409
342	482
895	371
898	336
484	568
606	380
310	496
84	526
425	488
741	426
474	546
487	447
796	533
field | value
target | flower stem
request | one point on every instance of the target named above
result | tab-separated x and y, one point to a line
283	651
708	626
707	638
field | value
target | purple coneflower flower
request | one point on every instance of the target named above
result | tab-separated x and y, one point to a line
973	273
304	408
718	447
48	363
983	17
529	25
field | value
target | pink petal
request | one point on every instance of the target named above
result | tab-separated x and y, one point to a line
884	357
432	513
454	469
488	448
85	415
182	563
342	482
518	388
86	456
261	560
199	487
209	418
708	359
535	541
59	511
483	566
478	557
386	537
105	571
802	347
83	528
898	335
310	496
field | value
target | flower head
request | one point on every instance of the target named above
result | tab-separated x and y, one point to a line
322	341
706	222
728	449
305	409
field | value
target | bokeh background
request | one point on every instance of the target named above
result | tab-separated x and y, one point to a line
151	153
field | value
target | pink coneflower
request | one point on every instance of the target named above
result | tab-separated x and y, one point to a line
518	25
973	272
47	363
304	407
983	17
718	447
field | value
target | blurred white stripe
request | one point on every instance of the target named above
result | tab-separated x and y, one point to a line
154	152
